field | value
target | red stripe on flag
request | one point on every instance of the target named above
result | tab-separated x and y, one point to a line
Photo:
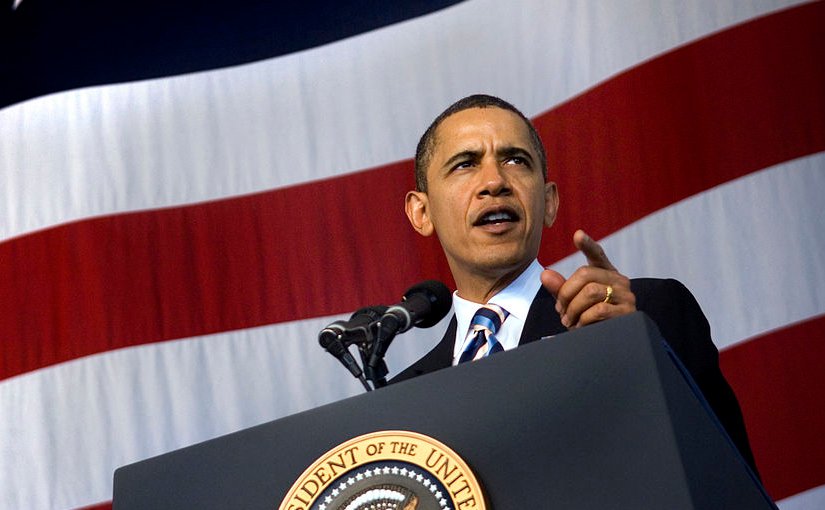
332	246
744	99
99	506
780	384
278	256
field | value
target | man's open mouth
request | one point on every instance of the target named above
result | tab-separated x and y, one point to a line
495	216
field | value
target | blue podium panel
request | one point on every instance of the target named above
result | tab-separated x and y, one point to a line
601	417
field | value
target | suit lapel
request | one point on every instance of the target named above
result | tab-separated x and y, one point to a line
444	350
542	319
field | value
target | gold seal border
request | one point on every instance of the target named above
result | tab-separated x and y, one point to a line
434	457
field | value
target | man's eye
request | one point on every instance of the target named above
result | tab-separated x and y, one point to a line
463	164
516	160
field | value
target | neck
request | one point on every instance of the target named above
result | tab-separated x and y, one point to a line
480	288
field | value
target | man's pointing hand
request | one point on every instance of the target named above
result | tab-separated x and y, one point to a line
594	292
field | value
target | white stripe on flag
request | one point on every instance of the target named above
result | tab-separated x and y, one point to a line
811	499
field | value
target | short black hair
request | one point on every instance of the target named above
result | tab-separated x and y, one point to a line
426	145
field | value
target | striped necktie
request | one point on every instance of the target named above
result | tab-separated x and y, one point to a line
484	326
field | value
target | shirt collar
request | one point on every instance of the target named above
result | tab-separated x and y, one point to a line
516	298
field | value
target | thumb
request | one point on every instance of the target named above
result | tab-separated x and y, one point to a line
552	281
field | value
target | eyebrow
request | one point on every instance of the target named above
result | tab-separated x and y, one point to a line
510	151
460	156
502	153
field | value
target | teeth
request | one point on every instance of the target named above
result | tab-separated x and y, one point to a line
498	216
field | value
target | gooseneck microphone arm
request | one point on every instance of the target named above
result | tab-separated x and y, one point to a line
335	346
388	327
359	329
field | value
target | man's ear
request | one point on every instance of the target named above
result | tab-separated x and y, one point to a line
417	207
551	203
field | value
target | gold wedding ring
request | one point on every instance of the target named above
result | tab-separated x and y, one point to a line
608	294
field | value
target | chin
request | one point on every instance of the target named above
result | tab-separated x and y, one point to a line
502	263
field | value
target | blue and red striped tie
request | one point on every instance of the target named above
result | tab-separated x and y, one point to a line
484	326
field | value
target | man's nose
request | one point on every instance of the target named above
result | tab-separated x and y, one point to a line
493	179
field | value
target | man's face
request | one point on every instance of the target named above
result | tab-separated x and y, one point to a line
486	196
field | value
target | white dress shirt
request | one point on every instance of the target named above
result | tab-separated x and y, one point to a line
516	298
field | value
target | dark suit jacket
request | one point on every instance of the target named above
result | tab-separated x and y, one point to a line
681	322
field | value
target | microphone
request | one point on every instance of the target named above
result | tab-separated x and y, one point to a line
337	336
356	330
334	346
423	305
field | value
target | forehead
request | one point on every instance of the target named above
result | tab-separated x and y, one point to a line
476	126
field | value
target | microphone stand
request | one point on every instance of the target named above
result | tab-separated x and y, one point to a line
364	382
377	374
373	371
374	362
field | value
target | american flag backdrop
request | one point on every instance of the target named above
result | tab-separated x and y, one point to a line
189	193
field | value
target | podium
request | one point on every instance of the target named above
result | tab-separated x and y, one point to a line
601	417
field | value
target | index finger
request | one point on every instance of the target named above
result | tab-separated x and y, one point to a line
592	250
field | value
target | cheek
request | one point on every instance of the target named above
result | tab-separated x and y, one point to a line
447	208
539	204
443	217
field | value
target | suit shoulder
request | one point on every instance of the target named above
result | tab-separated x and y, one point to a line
678	315
659	285
663	294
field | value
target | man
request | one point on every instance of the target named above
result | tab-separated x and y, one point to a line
481	186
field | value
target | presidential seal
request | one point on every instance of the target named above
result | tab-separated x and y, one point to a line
387	470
